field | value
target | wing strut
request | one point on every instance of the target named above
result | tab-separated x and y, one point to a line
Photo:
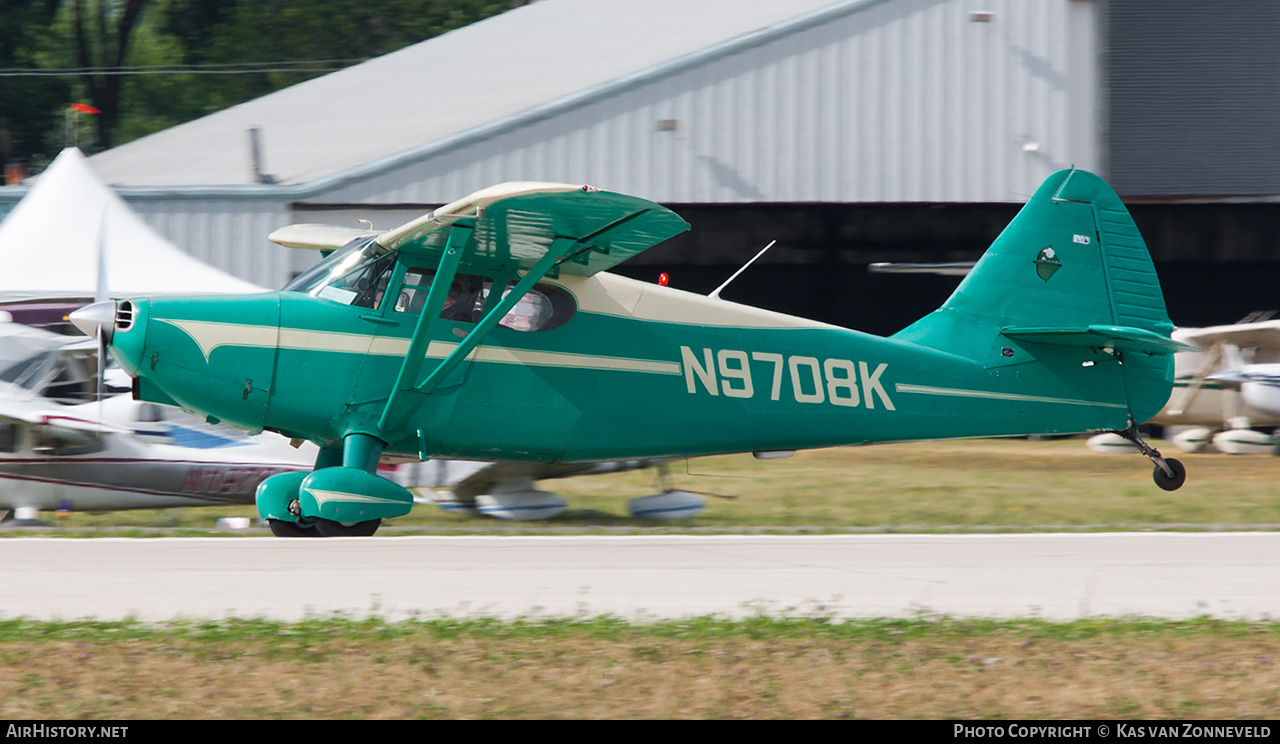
403	403
459	233
400	407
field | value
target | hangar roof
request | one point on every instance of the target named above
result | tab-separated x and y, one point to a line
506	67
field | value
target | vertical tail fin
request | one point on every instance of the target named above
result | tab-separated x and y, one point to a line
1070	270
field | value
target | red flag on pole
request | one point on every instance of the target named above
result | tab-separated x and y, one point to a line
85	108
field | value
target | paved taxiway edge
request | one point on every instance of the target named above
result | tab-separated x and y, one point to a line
1054	576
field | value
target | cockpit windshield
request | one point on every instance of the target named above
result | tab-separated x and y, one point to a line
356	274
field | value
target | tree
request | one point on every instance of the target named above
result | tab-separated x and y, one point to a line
102	30
248	43
328	34
30	107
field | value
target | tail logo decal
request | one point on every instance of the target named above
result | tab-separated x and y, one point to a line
1047	263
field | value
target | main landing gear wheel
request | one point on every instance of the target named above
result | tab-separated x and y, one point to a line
330	528
1173	480
283	528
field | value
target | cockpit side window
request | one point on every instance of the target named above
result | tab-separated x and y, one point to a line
8	437
545	307
464	302
50	440
356	274
364	285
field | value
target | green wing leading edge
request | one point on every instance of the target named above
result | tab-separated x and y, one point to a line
489	330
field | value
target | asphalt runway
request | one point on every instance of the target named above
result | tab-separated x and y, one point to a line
1057	576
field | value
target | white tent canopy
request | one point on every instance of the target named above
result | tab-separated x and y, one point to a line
49	244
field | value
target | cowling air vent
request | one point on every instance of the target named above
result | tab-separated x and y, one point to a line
124	316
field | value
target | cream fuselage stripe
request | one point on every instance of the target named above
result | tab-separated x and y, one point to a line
209	335
618	296
324	497
960	393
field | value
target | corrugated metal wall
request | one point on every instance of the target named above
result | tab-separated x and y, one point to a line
900	100
1194	97
228	234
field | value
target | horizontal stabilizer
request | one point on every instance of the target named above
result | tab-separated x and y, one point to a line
1117	337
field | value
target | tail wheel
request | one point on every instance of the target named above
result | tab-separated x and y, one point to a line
1170	482
283	528
330	528
1176	474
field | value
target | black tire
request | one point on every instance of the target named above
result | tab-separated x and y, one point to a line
281	528
1174	482
330	528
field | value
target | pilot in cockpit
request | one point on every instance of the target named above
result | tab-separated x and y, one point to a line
460	304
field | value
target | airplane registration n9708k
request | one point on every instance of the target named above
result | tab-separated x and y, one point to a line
491	329
809	377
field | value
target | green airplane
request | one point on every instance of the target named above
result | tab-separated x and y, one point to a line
397	345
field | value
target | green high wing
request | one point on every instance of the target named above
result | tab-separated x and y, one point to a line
517	225
514	225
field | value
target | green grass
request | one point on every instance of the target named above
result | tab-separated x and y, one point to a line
320	630
761	667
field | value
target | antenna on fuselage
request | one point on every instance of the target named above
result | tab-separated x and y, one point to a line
715	294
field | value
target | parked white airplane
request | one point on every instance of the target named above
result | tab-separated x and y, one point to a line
1222	389
505	490
59	448
1258	383
1259	388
